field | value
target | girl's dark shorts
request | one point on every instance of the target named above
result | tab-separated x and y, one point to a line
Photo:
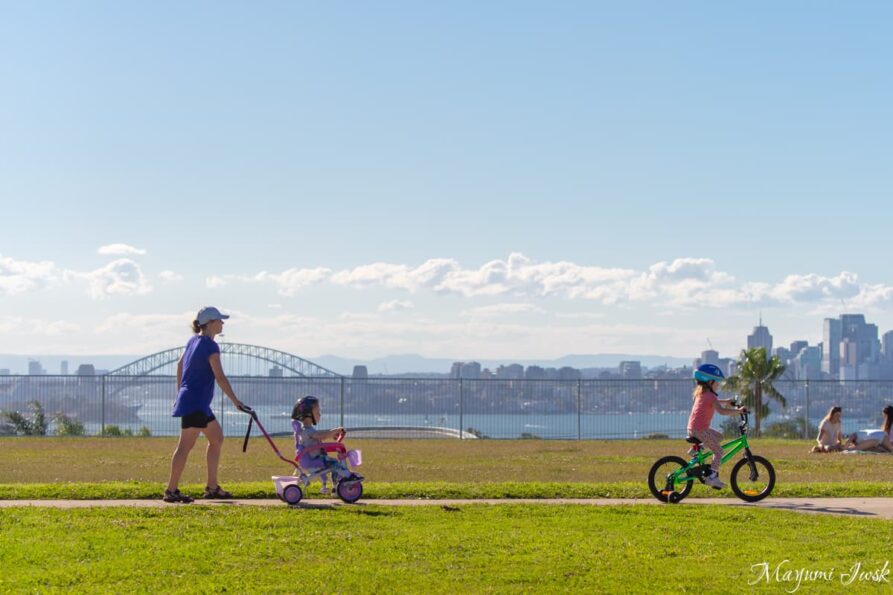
196	420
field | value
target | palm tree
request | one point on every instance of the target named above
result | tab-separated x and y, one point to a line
756	373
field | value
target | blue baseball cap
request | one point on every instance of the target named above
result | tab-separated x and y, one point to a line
209	313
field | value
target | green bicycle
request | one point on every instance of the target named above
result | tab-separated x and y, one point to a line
671	478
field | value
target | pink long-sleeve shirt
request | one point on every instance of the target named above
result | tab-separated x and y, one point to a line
702	411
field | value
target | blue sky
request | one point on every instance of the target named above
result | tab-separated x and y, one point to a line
720	160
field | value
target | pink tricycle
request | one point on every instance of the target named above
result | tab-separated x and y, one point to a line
289	488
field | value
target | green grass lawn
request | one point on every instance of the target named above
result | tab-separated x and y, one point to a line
366	549
136	467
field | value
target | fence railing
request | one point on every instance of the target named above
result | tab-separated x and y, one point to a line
552	409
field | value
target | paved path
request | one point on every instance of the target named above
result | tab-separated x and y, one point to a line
879	508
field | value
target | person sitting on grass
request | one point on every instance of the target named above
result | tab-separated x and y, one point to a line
830	438
887	442
305	415
874	440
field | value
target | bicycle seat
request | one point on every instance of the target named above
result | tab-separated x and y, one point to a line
692	440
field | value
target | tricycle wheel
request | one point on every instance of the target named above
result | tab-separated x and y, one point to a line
292	494
350	490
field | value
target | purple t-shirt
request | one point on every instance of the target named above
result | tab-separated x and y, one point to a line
197	384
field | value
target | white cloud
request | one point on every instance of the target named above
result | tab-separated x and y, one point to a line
396	306
120	250
17	325
498	310
429	274
119	277
288	282
683	283
170	276
19	276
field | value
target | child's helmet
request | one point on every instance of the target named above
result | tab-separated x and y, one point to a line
304	407
708	372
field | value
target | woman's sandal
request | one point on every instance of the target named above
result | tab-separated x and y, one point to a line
176	496
217	493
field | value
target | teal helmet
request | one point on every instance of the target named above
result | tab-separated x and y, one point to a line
709	372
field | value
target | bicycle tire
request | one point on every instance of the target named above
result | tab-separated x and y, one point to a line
657	489
751	493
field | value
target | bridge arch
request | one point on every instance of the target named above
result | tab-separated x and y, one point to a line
298	366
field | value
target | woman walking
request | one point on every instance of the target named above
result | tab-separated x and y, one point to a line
197	370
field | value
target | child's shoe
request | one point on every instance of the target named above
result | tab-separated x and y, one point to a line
714	482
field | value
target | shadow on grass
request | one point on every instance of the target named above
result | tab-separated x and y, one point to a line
809	507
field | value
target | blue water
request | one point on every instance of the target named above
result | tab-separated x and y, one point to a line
549	426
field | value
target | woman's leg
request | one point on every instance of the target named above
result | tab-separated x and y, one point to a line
867	444
214	434
188	437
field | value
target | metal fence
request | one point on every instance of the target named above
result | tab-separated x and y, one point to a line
551	409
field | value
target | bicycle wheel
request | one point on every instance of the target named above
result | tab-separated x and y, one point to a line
749	486
657	478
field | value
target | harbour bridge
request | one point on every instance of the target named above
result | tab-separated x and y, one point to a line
238	359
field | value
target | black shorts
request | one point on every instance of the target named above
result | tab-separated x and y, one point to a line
196	420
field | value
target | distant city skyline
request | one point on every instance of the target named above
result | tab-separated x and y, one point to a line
862	354
462	180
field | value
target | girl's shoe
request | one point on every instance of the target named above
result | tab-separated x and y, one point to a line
713	481
325	490
176	496
217	493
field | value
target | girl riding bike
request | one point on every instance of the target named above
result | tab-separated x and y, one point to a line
706	403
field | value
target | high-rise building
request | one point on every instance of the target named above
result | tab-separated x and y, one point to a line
510	372
712	357
760	337
796	346
63	368
569	373
708	357
456	370
276	372
887	346
783	354
831	348
807	364
631	370
360	373
535	373
470	370
35	368
852	349
86	370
